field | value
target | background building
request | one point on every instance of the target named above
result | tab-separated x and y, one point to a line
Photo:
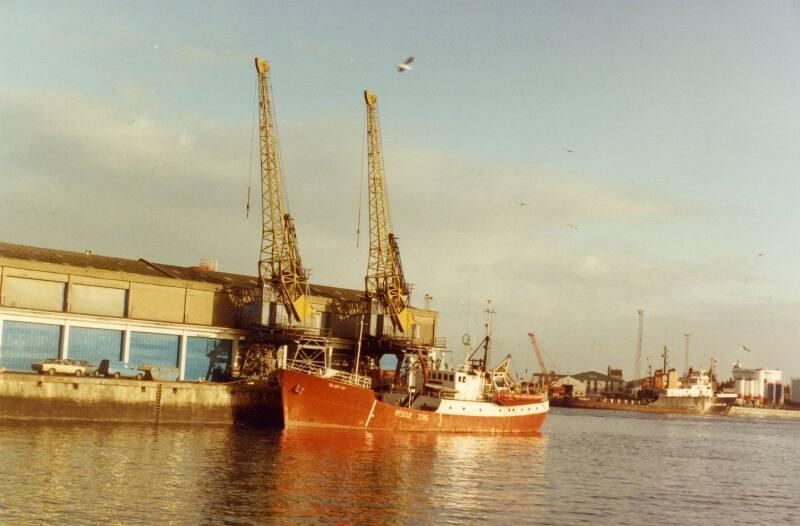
60	304
598	384
757	386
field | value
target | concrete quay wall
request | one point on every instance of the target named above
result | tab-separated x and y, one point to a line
30	396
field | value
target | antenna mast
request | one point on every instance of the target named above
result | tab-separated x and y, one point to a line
686	355
637	367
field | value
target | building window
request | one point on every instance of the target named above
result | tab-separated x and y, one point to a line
94	345
27	343
153	349
28	293
207	359
102	301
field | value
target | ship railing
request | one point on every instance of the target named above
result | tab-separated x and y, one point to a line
333	374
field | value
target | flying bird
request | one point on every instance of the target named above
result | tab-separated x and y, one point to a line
745	348
405	65
568	150
761	254
573	227
520	203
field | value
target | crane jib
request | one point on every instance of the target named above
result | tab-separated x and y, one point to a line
279	266
385	280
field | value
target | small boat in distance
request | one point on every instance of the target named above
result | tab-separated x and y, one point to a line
425	395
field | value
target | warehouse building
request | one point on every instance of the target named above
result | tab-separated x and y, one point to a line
61	304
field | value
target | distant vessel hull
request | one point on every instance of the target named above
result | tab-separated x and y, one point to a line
313	401
671	405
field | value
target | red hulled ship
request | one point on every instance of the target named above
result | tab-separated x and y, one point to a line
463	399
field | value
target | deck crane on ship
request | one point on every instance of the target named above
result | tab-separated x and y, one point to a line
385	281
280	269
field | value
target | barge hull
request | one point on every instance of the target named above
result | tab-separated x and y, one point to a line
721	409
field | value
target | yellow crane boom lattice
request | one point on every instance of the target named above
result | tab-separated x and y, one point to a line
384	281
279	265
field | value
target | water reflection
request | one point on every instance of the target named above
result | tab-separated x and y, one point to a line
585	468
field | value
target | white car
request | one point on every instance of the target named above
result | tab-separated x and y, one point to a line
54	366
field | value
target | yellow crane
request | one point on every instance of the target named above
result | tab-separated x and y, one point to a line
279	265
385	281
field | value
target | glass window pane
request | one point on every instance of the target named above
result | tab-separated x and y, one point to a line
154	349
27	343
94	345
207	358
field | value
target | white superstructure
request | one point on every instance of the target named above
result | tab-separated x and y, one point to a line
697	385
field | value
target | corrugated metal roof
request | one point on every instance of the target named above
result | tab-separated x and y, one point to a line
149	268
75	259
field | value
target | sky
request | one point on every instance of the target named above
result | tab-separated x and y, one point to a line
572	162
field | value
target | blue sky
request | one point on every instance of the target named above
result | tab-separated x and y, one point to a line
665	132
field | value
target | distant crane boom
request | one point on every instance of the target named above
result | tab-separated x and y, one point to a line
385	280
279	265
538	353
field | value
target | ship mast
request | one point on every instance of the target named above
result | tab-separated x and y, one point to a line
279	267
385	280
487	348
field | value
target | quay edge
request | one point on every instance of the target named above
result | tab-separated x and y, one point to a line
64	398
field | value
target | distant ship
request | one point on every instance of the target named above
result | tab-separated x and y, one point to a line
694	394
468	398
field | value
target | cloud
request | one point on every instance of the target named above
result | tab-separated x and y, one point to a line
198	55
128	181
91	172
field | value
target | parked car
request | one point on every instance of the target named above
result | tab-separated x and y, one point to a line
54	366
118	370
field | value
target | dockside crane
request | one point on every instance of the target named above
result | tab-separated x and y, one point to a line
279	267
385	280
546	380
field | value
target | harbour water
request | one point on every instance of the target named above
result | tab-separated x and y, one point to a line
584	468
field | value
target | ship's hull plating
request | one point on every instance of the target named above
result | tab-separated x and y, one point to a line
671	406
312	401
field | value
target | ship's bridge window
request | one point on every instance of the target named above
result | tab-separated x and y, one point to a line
450	378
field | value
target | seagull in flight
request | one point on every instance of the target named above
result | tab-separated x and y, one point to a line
573	227
520	203
568	150
745	348
405	65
